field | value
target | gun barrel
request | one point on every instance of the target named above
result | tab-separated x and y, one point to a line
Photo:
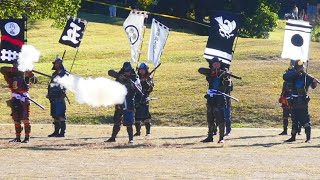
36	103
314	78
155	68
231	74
41	73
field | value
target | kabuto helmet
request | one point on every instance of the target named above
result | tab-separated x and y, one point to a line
144	66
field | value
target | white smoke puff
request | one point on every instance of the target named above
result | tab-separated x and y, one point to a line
28	56
94	92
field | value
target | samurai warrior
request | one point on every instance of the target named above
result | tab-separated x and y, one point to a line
216	99
299	99
19	84
283	100
142	100
57	96
124	113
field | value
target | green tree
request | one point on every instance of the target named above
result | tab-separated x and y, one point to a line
260	16
40	9
259	22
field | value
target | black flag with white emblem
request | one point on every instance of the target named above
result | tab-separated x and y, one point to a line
12	39
223	31
297	39
73	32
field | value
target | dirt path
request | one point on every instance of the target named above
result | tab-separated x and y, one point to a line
171	153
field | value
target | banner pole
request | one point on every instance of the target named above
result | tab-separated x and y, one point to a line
74	59
140	49
235	45
64	53
26	25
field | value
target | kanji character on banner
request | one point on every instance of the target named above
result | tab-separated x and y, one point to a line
158	38
73	32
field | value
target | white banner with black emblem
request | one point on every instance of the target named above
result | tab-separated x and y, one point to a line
134	28
297	39
158	38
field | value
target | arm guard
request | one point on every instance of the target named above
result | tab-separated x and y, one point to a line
204	71
150	85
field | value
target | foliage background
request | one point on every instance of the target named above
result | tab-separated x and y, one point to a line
40	9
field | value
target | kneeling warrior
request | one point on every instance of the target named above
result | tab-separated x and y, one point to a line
142	100
124	112
19	83
57	96
216	98
299	99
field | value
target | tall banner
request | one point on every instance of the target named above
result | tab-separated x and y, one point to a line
134	28
12	39
73	32
158	37
297	37
223	31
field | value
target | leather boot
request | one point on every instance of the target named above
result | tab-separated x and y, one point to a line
63	127
56	130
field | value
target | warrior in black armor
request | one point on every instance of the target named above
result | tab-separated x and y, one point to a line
124	113
216	101
57	96
299	99
142	100
283	100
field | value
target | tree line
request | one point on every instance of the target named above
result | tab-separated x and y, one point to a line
259	16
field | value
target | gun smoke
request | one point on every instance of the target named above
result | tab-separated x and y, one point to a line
96	92
28	56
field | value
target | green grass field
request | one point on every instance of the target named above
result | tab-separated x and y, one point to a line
179	87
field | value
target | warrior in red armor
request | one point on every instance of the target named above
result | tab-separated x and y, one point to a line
19	84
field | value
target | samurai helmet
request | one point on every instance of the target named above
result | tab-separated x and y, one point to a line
292	63
127	67
144	66
298	64
58	60
213	60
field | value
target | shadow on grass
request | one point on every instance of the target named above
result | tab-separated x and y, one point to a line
150	145
36	148
251	137
85	138
178	145
130	146
6	138
67	138
214	146
302	147
267	145
182	137
58	147
316	137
